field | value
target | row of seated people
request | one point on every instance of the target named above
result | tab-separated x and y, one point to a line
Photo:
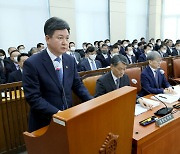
152	77
95	59
11	67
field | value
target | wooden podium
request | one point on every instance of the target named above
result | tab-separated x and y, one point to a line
102	125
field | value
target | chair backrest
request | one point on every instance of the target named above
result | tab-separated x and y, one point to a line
164	67
90	83
176	67
134	73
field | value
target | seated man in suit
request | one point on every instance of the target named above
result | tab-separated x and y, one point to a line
152	79
130	54
90	63
50	76
115	78
2	77
17	75
12	64
163	51
72	52
143	56
103	55
122	49
176	50
169	47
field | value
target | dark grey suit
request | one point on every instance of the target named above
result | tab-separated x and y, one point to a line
106	84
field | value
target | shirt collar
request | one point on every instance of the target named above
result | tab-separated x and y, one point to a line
114	77
153	70
51	55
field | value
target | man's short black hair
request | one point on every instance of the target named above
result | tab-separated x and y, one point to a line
21	55
39	45
20	46
106	40
115	46
104	45
3	52
119	58
13	52
71	43
53	24
90	49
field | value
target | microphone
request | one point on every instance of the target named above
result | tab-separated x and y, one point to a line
161	112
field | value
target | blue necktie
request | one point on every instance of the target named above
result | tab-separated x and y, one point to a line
93	65
59	70
117	83
156	78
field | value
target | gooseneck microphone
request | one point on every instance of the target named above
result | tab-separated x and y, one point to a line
161	112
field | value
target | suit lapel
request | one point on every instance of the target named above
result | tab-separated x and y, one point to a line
111	81
50	68
152	76
88	67
65	68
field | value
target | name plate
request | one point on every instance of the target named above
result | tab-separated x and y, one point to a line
164	120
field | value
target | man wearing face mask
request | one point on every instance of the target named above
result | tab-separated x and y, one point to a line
16	76
73	53
90	63
2	67
143	56
130	54
12	64
122	49
163	51
103	56
176	50
21	48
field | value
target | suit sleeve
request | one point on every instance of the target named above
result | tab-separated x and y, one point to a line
2	78
31	85
165	83
11	78
147	86
78	86
100	89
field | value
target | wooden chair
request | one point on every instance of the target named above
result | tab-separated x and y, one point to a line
134	75
176	69
164	68
13	117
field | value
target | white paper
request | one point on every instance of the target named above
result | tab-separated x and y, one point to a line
139	109
166	98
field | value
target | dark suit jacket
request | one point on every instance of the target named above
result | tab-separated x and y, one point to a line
122	51
163	54
15	76
81	52
85	66
106	84
133	59
2	77
43	91
149	84
175	52
142	58
169	51
103	61
9	66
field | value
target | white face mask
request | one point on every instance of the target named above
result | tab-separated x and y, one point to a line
163	51
22	51
2	57
125	45
136	46
15	59
131	52
148	51
178	48
114	54
73	48
159	43
92	57
108	44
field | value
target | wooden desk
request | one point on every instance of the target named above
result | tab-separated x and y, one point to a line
155	140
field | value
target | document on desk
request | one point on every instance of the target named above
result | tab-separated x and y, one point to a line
139	109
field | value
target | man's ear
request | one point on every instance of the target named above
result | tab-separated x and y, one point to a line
47	39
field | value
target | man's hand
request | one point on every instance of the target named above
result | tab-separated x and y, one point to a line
144	103
168	90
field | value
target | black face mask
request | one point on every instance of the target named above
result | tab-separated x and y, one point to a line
104	51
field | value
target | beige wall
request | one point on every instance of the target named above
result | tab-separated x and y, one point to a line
155	18
64	9
117	20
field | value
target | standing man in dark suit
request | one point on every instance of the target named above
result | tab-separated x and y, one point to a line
152	79
17	75
90	63
115	78
50	76
176	50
